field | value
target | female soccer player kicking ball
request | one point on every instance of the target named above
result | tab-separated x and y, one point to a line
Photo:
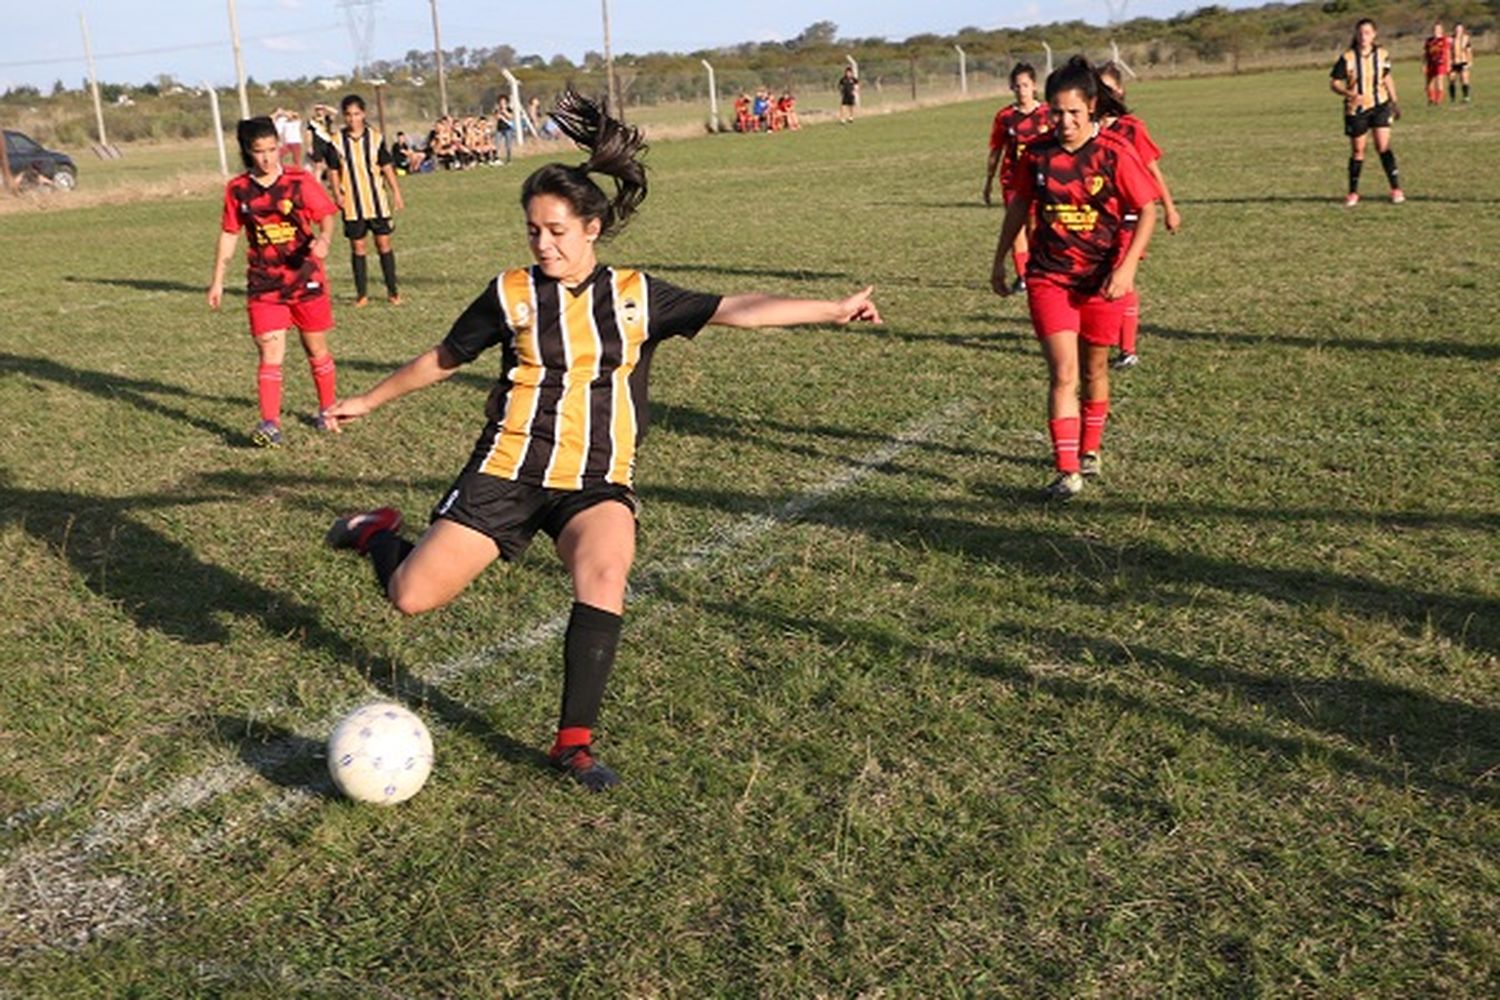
1085	183
285	283
557	452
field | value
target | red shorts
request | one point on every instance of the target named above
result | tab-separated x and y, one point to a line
1055	309
309	315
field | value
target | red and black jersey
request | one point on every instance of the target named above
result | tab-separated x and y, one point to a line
571	403
1084	201
1133	131
1438	55
280	221
1012	131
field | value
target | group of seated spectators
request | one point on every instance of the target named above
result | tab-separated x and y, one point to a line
458	144
766	112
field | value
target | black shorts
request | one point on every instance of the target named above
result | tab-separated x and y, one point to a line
511	513
1460	67
355	229
1360	122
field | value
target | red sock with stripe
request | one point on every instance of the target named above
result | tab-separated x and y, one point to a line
570	737
268	390
1095	412
1131	325
1064	431
323	378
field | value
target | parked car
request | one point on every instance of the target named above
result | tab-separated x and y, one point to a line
27	155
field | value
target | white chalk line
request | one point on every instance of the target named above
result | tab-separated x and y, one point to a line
50	892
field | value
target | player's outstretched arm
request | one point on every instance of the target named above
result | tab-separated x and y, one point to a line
421	371
754	310
222	256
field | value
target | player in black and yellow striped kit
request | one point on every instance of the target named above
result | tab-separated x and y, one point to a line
362	169
558	449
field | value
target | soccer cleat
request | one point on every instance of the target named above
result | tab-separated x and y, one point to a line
1124	361
1089	464
361	302
1065	487
580	764
267	434
394	300
1019	285
353	531
1351	199
1397	197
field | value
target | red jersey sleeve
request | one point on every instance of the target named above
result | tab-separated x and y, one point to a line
230	223
997	131
1134	182
316	203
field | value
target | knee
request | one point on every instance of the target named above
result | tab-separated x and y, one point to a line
1064	378
602	584
407	599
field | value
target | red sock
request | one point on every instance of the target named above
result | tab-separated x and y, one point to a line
1131	324
323	378
572	736
1020	257
1095	412
1064	433
268	389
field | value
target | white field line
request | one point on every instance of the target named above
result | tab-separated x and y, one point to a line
49	899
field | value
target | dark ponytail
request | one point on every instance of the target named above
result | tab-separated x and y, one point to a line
614	150
1078	75
249	130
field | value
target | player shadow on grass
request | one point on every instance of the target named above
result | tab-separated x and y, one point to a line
1359	724
1150	571
136	392
1431	348
676	418
149	285
164	587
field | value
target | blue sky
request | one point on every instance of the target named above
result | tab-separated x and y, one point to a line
189	39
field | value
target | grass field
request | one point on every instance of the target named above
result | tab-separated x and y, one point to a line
1227	725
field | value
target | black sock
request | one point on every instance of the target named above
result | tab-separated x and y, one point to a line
1388	161
588	655
1452	93
1466	91
386	550
1354	168
388	268
361	275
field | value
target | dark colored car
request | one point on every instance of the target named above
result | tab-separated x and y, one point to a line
27	155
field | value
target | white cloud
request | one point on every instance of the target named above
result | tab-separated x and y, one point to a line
284	43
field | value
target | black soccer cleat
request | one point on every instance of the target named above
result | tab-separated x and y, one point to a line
353	531
580	764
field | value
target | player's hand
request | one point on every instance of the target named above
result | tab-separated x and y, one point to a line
987	188
345	411
320	248
998	282
859	308
1174	220
1120	283
1395	111
215	295
399	202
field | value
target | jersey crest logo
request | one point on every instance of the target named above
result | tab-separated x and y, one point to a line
630	311
284	206
523	315
1096	184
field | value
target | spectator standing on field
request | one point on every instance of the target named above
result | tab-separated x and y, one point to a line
848	95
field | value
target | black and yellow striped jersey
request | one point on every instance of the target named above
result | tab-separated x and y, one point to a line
1367	77
571	402
359	160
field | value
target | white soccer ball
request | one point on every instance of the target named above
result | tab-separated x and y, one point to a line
380	753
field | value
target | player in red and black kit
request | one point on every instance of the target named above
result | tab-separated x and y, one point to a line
288	221
1015	126
1437	62
557	452
1134	131
1083	183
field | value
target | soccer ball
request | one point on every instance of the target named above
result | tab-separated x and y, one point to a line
380	753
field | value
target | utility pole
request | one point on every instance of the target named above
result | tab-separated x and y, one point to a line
88	55
963	69
239	61
609	69
437	52
714	125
